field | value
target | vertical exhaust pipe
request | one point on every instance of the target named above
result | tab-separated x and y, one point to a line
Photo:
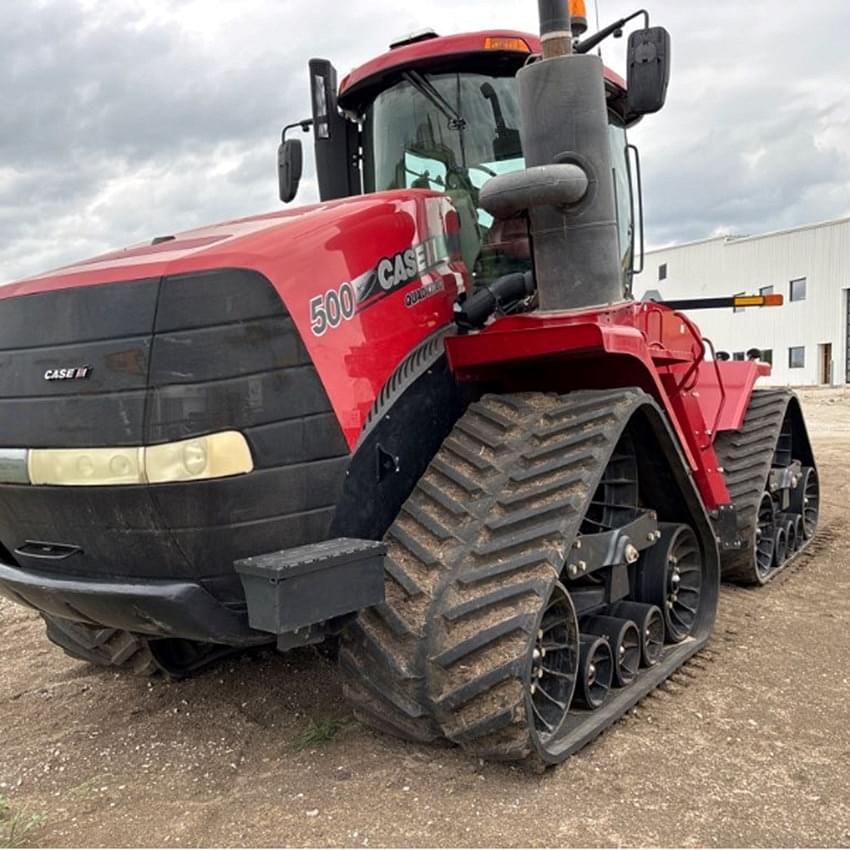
565	120
568	186
555	28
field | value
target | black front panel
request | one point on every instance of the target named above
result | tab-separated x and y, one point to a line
242	366
117	529
238	366
72	316
177	411
221	353
102	333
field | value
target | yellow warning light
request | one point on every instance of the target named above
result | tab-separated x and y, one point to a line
500	43
578	17
759	300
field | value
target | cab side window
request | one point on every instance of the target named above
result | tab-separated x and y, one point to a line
623	194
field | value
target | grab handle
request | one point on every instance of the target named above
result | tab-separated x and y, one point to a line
47	551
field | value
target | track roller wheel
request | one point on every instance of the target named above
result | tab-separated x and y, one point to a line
805	500
671	579
765	537
780	547
553	663
650	623
798	533
791	543
624	638
596	672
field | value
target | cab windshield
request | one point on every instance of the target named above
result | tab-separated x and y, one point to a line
452	132
442	131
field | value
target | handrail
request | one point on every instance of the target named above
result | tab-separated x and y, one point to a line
720	385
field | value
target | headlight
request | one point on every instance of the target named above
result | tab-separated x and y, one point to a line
86	467
214	456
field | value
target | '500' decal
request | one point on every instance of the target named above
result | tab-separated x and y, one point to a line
342	303
330	310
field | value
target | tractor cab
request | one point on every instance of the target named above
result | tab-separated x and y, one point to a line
442	113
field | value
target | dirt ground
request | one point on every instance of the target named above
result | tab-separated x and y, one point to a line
750	745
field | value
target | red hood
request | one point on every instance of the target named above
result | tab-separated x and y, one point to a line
241	243
308	253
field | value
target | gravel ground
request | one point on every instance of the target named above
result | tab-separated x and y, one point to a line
749	745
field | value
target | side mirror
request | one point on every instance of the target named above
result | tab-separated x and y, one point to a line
649	70
290	163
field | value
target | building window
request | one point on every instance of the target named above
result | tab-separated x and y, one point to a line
662	271
739	309
738	355
798	289
767	354
766	290
797	358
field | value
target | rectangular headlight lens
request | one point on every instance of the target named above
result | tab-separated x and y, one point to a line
86	467
214	456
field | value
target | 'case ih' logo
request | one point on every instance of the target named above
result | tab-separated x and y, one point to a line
77	373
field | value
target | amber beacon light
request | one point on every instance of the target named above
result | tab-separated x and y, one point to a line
578	17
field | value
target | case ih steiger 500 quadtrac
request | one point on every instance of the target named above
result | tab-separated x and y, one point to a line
425	415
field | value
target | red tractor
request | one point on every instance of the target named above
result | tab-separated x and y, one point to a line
425	416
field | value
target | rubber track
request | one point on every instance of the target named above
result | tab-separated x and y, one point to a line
471	558
747	457
101	646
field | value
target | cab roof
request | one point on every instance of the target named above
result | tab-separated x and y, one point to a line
501	44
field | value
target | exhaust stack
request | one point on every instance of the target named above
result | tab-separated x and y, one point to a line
555	28
565	139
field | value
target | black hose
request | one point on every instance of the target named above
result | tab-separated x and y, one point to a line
484	302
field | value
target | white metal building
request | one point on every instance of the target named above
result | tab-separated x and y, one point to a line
807	339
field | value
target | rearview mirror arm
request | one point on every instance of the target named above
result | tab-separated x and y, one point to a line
305	125
615	29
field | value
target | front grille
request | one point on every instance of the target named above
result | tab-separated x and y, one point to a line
171	359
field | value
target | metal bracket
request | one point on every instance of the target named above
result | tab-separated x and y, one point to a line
593	552
782	480
725	521
387	463
785	477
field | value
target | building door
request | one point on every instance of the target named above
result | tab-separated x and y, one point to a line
847	334
826	363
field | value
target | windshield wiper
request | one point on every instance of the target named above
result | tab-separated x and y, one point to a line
427	90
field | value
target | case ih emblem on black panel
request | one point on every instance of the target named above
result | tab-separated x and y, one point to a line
75	373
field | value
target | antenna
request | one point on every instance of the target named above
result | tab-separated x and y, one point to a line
596	4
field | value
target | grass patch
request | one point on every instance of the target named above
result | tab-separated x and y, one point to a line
16	825
319	733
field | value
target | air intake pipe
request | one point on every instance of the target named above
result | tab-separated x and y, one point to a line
565	140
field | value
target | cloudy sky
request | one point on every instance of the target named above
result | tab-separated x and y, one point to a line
124	119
